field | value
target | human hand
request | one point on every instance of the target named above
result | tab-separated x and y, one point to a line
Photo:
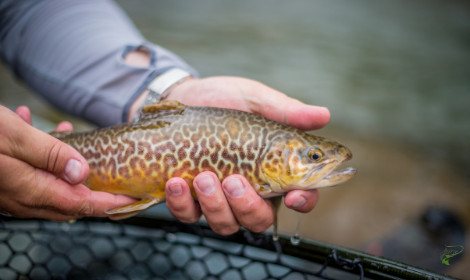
233	203
40	176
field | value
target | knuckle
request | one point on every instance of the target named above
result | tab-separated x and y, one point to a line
41	199
226	229
85	209
53	156
248	209
184	213
176	207
212	207
37	195
189	220
260	227
78	206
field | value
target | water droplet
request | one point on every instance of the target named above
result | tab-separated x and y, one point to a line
276	203
295	239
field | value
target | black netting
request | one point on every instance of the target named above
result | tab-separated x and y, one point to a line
148	249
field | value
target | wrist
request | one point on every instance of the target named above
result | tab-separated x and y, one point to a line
159	89
135	107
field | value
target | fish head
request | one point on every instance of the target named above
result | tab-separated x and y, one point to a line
306	162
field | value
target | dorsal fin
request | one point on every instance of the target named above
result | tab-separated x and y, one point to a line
163	105
162	108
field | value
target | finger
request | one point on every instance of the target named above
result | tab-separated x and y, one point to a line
84	202
24	113
41	150
180	202
301	201
214	205
279	107
48	215
38	190
80	201
251	211
19	211
64	127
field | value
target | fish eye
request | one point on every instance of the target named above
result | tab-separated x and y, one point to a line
315	154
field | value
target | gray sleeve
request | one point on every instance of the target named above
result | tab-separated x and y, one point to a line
71	53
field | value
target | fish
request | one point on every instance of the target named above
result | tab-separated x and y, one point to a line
171	139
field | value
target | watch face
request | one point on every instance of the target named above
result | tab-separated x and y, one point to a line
152	97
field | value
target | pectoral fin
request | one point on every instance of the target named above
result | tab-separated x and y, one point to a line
132	209
116	217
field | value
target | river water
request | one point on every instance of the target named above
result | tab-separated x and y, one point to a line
396	77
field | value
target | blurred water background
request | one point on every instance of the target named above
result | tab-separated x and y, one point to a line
396	77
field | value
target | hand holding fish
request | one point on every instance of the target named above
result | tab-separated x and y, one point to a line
225	159
40	177
234	202
217	162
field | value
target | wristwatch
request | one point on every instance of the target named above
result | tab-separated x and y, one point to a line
158	88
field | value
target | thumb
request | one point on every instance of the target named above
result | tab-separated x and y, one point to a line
43	151
279	107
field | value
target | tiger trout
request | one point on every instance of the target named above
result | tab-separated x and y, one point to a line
174	140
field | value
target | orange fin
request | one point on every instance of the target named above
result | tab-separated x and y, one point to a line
133	208
265	191
116	217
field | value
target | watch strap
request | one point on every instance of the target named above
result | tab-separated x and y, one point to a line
157	89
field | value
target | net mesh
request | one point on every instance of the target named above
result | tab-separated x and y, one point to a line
97	249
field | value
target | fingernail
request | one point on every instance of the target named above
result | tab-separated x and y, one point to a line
300	202
73	170
175	189
205	184
234	187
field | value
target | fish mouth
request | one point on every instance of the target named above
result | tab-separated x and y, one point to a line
345	172
337	176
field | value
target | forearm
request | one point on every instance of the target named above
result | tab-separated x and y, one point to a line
75	54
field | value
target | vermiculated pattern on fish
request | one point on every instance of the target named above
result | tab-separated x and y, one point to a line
173	140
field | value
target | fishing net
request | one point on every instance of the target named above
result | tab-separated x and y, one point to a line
145	248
